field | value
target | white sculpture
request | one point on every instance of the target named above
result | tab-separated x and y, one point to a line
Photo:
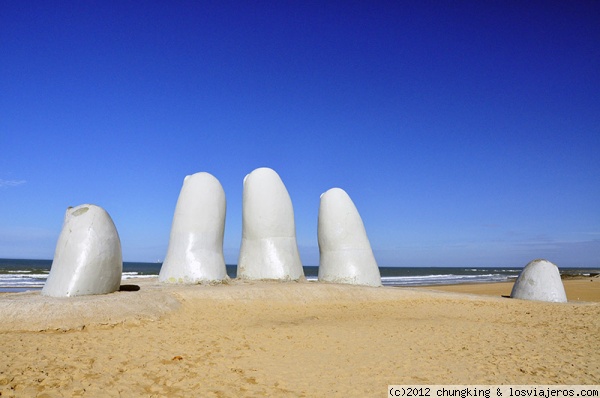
345	251
88	257
539	280
269	249
195	252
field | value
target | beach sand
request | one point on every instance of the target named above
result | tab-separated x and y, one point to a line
292	339
577	288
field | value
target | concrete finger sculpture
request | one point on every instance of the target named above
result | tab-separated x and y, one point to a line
195	253
88	257
539	280
345	251
269	249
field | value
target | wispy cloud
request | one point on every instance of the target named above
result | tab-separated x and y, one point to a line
11	183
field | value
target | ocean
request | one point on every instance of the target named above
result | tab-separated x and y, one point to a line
22	275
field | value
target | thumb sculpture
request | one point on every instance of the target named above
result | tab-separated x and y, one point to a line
345	251
195	252
269	249
539	280
88	256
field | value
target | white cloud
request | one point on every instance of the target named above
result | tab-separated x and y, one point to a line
11	183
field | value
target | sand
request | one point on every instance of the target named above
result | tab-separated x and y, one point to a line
577	289
292	340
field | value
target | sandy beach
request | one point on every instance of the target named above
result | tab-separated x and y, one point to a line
292	339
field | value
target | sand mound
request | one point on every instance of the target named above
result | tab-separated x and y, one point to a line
30	311
146	299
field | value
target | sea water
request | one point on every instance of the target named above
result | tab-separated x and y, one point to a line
23	275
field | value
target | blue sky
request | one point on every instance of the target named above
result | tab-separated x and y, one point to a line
467	133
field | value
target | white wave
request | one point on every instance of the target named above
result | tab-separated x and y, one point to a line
10	277
19	271
131	275
443	279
